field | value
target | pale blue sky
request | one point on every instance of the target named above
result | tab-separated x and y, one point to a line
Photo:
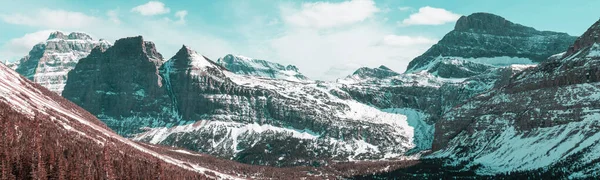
325	39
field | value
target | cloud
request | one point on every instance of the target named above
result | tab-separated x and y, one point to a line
48	18
430	16
151	8
335	54
113	16
322	15
315	43
19	47
405	8
181	16
395	40
168	38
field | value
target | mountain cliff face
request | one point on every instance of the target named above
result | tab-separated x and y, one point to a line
49	62
44	136
488	40
193	102
544	119
256	67
122	86
242	109
424	98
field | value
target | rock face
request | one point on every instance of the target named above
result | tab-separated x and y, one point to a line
489	40
201	105
44	135
365	74
193	102
424	98
122	82
256	67
49	62
544	119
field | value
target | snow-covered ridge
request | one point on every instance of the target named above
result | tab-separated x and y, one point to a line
417	79
501	61
512	149
257	67
228	133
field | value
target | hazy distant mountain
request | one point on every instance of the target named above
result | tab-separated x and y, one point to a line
49	62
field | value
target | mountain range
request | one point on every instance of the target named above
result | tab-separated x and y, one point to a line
491	98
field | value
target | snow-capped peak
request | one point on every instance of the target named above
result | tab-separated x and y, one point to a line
193	58
57	35
379	72
49	61
256	67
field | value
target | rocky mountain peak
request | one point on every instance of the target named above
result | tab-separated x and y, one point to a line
132	45
57	35
72	36
292	68
589	38
483	21
80	36
49	61
187	58
493	24
184	51
366	72
384	67
495	40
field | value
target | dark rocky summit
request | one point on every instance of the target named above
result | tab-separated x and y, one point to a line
122	82
483	35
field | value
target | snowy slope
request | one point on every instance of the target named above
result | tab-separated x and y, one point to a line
256	67
238	116
545	119
11	65
26	97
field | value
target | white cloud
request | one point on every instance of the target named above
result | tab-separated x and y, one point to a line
181	16
313	41
113	16
327	15
151	8
336	54
48	18
395	40
19	47
168	38
405	8
430	16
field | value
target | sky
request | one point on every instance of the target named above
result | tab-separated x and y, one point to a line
325	39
